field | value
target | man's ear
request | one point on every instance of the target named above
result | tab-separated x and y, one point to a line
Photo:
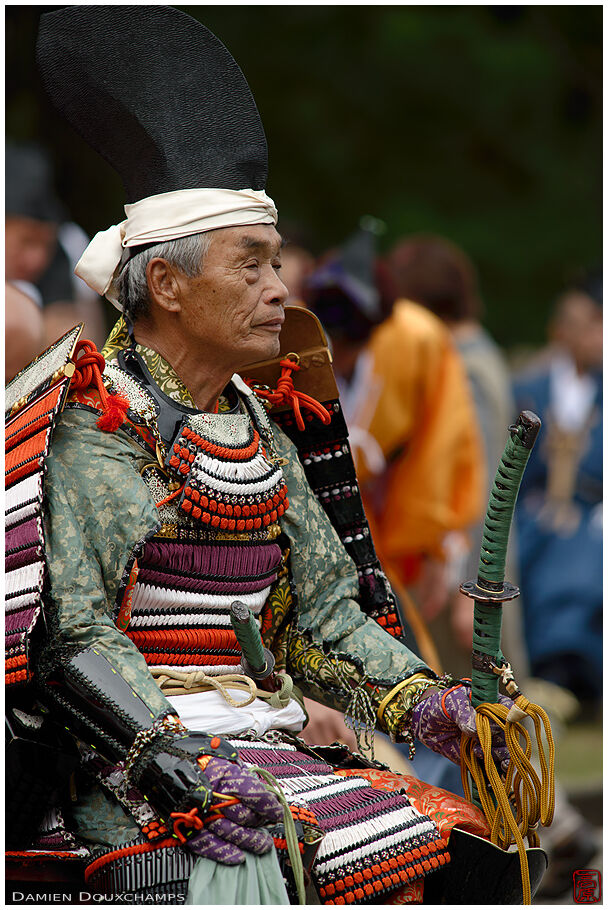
163	286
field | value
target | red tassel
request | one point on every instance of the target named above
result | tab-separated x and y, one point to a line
90	364
286	394
115	413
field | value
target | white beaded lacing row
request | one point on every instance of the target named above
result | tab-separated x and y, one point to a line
153	597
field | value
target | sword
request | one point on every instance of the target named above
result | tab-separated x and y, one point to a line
514	808
490	590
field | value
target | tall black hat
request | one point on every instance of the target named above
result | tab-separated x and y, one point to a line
156	94
162	100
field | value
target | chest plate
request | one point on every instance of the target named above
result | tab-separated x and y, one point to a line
220	493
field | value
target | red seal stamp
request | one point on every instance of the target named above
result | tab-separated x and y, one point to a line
587	886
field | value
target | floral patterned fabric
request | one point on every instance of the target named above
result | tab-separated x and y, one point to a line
162	372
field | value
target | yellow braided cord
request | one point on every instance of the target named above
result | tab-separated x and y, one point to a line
514	807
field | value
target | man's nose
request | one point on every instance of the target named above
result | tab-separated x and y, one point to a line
277	292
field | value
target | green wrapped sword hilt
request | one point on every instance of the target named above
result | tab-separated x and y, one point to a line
490	590
256	661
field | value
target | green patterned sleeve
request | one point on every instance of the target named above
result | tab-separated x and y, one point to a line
97	509
327	585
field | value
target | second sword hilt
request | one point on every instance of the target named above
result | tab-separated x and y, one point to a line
257	662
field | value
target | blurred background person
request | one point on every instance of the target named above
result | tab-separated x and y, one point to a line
559	523
24	327
436	273
433	271
297	261
411	418
42	246
559	514
351	293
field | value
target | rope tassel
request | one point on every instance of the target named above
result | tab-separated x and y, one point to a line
90	364
285	394
515	807
273	786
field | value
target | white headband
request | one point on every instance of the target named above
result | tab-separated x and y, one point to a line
168	216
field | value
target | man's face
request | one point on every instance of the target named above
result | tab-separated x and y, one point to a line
236	304
29	246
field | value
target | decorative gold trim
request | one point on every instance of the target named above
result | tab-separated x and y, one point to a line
51	365
404	682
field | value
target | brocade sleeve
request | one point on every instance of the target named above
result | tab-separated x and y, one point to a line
97	510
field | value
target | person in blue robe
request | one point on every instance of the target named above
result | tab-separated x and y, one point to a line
559	514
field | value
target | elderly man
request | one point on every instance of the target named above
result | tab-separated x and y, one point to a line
169	495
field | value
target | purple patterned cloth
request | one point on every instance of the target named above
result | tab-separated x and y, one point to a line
224	842
225	839
442	733
229	561
201	585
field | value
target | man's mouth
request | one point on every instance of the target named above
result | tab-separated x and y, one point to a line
273	324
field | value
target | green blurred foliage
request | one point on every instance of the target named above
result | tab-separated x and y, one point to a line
479	123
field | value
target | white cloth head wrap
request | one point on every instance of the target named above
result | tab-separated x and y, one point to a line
168	216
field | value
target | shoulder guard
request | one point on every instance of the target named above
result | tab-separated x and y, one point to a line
34	399
325	454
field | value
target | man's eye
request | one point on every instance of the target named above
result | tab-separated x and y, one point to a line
252	265
277	265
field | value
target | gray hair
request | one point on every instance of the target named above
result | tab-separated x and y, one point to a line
187	254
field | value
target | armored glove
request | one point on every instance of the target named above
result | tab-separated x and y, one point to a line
217	806
440	719
163	764
163	760
231	828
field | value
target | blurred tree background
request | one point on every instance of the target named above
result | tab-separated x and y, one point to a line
479	123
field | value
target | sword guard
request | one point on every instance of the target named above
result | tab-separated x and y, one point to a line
260	673
492	594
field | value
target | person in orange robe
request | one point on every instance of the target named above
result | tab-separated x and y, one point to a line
412	422
417	447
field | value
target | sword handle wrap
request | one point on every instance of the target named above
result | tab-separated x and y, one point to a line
258	662
490	586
